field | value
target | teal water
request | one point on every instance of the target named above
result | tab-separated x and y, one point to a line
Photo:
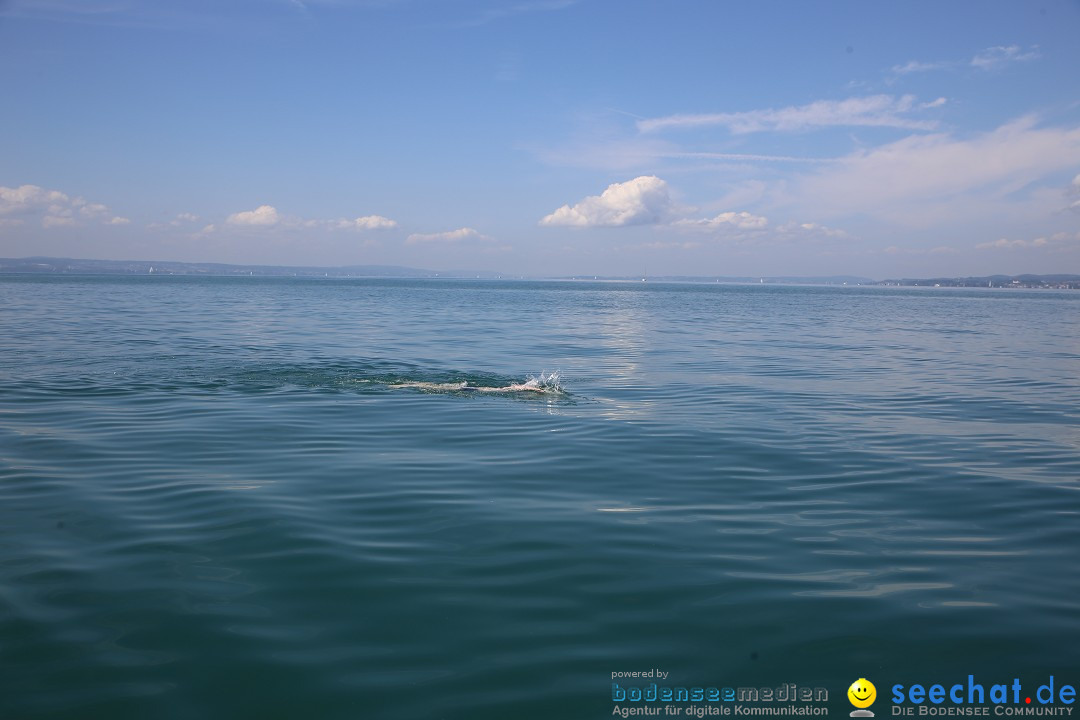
215	503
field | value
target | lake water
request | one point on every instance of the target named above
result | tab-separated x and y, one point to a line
215	502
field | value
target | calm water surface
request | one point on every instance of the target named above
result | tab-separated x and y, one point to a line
214	503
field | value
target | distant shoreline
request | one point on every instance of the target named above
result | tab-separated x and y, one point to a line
62	266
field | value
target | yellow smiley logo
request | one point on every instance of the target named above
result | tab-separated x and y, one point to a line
862	693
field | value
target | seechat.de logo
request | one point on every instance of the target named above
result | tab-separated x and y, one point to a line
862	694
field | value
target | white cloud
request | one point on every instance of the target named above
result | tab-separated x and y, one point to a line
809	228
29	198
914	66
450	236
117	220
996	57
1057	241
90	210
181	219
1074	191
642	201
871	111
923	179
646	200
56	221
367	222
55	208
991	58
1007	244
268	215
745	230
727	221
261	216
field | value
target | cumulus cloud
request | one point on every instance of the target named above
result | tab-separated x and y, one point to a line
264	215
996	57
367	222
90	210
29	198
55	208
644	200
448	237
871	111
727	221
117	220
268	216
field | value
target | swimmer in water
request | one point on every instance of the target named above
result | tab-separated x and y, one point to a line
531	386
543	384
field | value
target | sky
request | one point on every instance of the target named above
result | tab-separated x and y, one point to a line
546	137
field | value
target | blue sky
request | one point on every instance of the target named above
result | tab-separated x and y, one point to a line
546	136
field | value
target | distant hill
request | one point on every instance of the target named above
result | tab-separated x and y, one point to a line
166	267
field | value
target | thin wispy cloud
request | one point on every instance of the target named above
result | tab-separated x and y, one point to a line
744	157
996	57
914	66
871	111
450	237
521	8
727	220
991	58
1061	241
621	153
925	179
